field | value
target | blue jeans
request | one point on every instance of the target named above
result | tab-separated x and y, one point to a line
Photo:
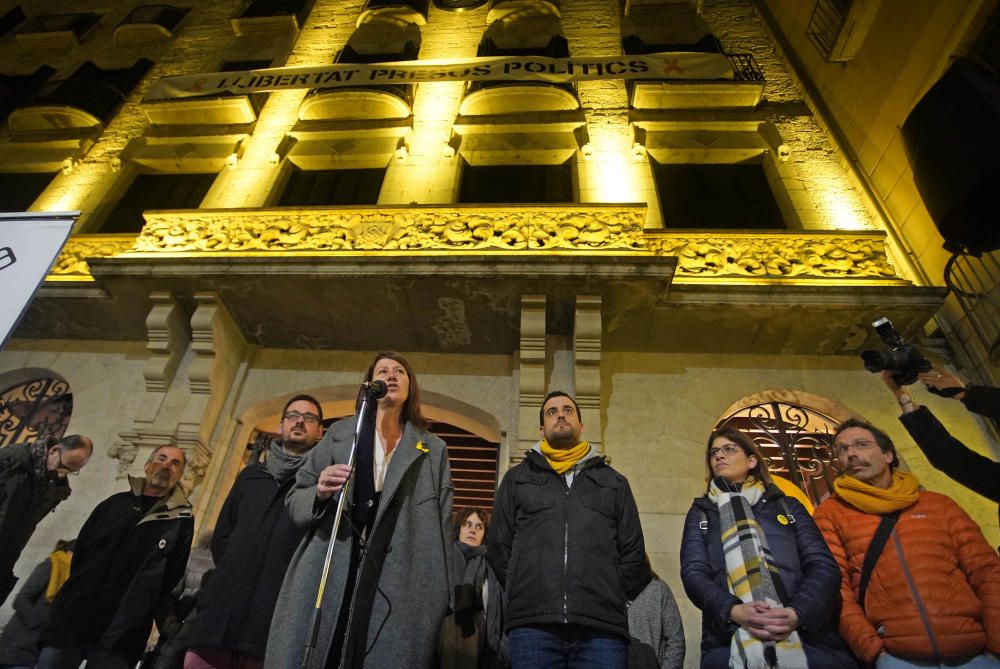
886	661
70	658
566	647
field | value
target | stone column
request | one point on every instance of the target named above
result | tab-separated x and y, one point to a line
587	366
531	388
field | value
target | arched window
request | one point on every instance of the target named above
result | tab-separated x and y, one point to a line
33	404
796	440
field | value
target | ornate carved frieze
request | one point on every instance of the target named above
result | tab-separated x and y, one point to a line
578	227
721	256
71	265
763	256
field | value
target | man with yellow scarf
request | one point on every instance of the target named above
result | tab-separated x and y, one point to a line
566	544
920	586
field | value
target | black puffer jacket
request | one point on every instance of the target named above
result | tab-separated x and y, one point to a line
806	567
127	560
25	498
567	554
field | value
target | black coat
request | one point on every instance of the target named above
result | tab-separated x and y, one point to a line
948	454
567	554
126	562
806	567
25	499
19	640
253	542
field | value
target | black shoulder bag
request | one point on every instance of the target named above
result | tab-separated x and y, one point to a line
875	551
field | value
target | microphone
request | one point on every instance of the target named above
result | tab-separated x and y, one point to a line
376	389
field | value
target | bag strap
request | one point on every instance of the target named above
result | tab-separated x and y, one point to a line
875	551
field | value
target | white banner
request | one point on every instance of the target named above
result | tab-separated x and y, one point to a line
495	68
29	245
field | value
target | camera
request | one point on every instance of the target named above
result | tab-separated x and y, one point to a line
903	360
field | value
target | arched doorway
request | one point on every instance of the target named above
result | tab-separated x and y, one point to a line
34	403
794	431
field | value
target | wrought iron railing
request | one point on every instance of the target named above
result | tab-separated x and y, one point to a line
827	19
94	97
419	6
166	16
975	282
34	409
745	67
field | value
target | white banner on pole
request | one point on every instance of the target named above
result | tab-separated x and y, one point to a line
674	65
29	245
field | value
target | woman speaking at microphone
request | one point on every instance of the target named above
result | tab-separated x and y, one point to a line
388	586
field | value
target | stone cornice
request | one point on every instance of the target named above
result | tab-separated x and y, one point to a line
837	257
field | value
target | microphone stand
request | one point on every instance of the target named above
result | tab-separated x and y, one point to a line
367	391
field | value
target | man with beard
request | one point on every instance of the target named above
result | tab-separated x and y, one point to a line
130	554
32	483
566	526
252	545
920	585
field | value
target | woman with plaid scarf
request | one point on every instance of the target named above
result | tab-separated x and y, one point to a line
753	561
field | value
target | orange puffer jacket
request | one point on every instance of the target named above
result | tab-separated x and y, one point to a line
935	592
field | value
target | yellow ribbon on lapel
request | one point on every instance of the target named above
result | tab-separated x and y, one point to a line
422	448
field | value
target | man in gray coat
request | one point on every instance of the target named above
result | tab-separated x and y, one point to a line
32	483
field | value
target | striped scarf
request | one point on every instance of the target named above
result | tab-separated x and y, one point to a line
751	575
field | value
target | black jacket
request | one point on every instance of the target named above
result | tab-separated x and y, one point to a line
567	554
25	499
805	565
948	454
126	562
19	640
253	542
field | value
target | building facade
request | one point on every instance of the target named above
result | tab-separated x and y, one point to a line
677	252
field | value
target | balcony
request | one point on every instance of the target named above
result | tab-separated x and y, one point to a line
501	9
223	109
269	16
86	100
19	90
148	23
459	5
742	91
487	98
411	11
354	103
56	31
782	292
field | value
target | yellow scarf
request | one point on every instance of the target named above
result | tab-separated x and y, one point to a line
901	493
561	459
59	572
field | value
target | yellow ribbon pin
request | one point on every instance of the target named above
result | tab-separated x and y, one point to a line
782	519
422	448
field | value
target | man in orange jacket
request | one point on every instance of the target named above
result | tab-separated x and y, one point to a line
933	595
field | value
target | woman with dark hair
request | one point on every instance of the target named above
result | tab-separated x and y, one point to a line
756	565
389	584
471	637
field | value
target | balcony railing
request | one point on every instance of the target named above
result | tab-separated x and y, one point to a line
55	30
165	16
417	9
263	16
975	282
97	98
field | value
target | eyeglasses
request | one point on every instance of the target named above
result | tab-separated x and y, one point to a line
63	469
727	450
857	444
307	417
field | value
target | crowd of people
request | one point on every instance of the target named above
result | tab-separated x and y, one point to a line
882	573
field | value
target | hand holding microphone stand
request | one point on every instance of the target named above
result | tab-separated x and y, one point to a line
370	390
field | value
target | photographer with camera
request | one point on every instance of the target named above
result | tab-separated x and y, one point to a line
943	451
